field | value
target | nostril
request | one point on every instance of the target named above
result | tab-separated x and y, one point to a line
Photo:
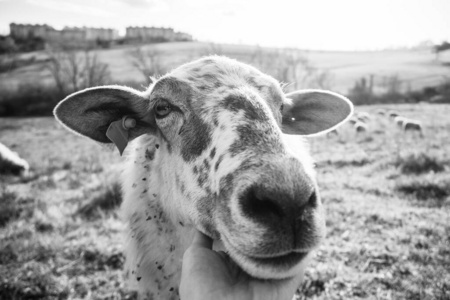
259	206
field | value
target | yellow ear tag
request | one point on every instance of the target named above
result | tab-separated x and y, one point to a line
118	132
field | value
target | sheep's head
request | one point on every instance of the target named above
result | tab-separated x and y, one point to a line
224	155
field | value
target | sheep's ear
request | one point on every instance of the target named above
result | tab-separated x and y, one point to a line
90	112
310	112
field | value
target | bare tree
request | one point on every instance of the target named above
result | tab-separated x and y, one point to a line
74	70
96	72
148	62
290	66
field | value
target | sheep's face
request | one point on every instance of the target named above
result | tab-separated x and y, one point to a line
223	159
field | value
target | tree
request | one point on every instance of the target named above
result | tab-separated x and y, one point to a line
148	62
440	48
74	70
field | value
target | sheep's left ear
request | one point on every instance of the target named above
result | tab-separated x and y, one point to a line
311	112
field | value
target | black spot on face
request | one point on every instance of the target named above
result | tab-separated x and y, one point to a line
138	278
205	165
149	154
226	185
216	166
157	146
251	111
212	153
215	121
196	137
200	181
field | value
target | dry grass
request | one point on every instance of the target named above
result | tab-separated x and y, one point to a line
388	202
386	196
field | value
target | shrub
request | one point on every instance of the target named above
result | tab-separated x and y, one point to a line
8	209
431	188
107	199
29	100
418	163
12	207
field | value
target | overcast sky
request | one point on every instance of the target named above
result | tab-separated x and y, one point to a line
313	24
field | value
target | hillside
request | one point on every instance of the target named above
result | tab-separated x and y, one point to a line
416	68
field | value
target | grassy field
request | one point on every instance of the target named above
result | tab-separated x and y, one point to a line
387	196
415	69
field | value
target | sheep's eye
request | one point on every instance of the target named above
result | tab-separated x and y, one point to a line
281	108
162	108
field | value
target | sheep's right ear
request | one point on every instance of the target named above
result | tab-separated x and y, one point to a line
90	112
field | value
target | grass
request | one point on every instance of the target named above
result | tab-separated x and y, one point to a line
387	210
13	208
417	163
107	199
388	213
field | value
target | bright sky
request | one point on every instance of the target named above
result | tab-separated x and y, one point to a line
307	24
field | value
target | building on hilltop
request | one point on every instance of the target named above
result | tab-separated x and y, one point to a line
23	31
155	34
87	36
67	34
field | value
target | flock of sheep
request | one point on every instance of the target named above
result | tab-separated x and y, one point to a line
360	121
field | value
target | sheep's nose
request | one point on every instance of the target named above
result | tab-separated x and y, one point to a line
268	205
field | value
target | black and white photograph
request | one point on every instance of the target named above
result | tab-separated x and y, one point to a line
225	149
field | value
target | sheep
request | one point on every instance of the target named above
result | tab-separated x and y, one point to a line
399	120
11	163
353	120
393	114
360	127
413	125
332	133
363	116
209	146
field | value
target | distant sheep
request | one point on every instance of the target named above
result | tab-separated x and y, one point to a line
393	114
360	127
353	120
412	125
399	120
11	163
332	133
363	116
